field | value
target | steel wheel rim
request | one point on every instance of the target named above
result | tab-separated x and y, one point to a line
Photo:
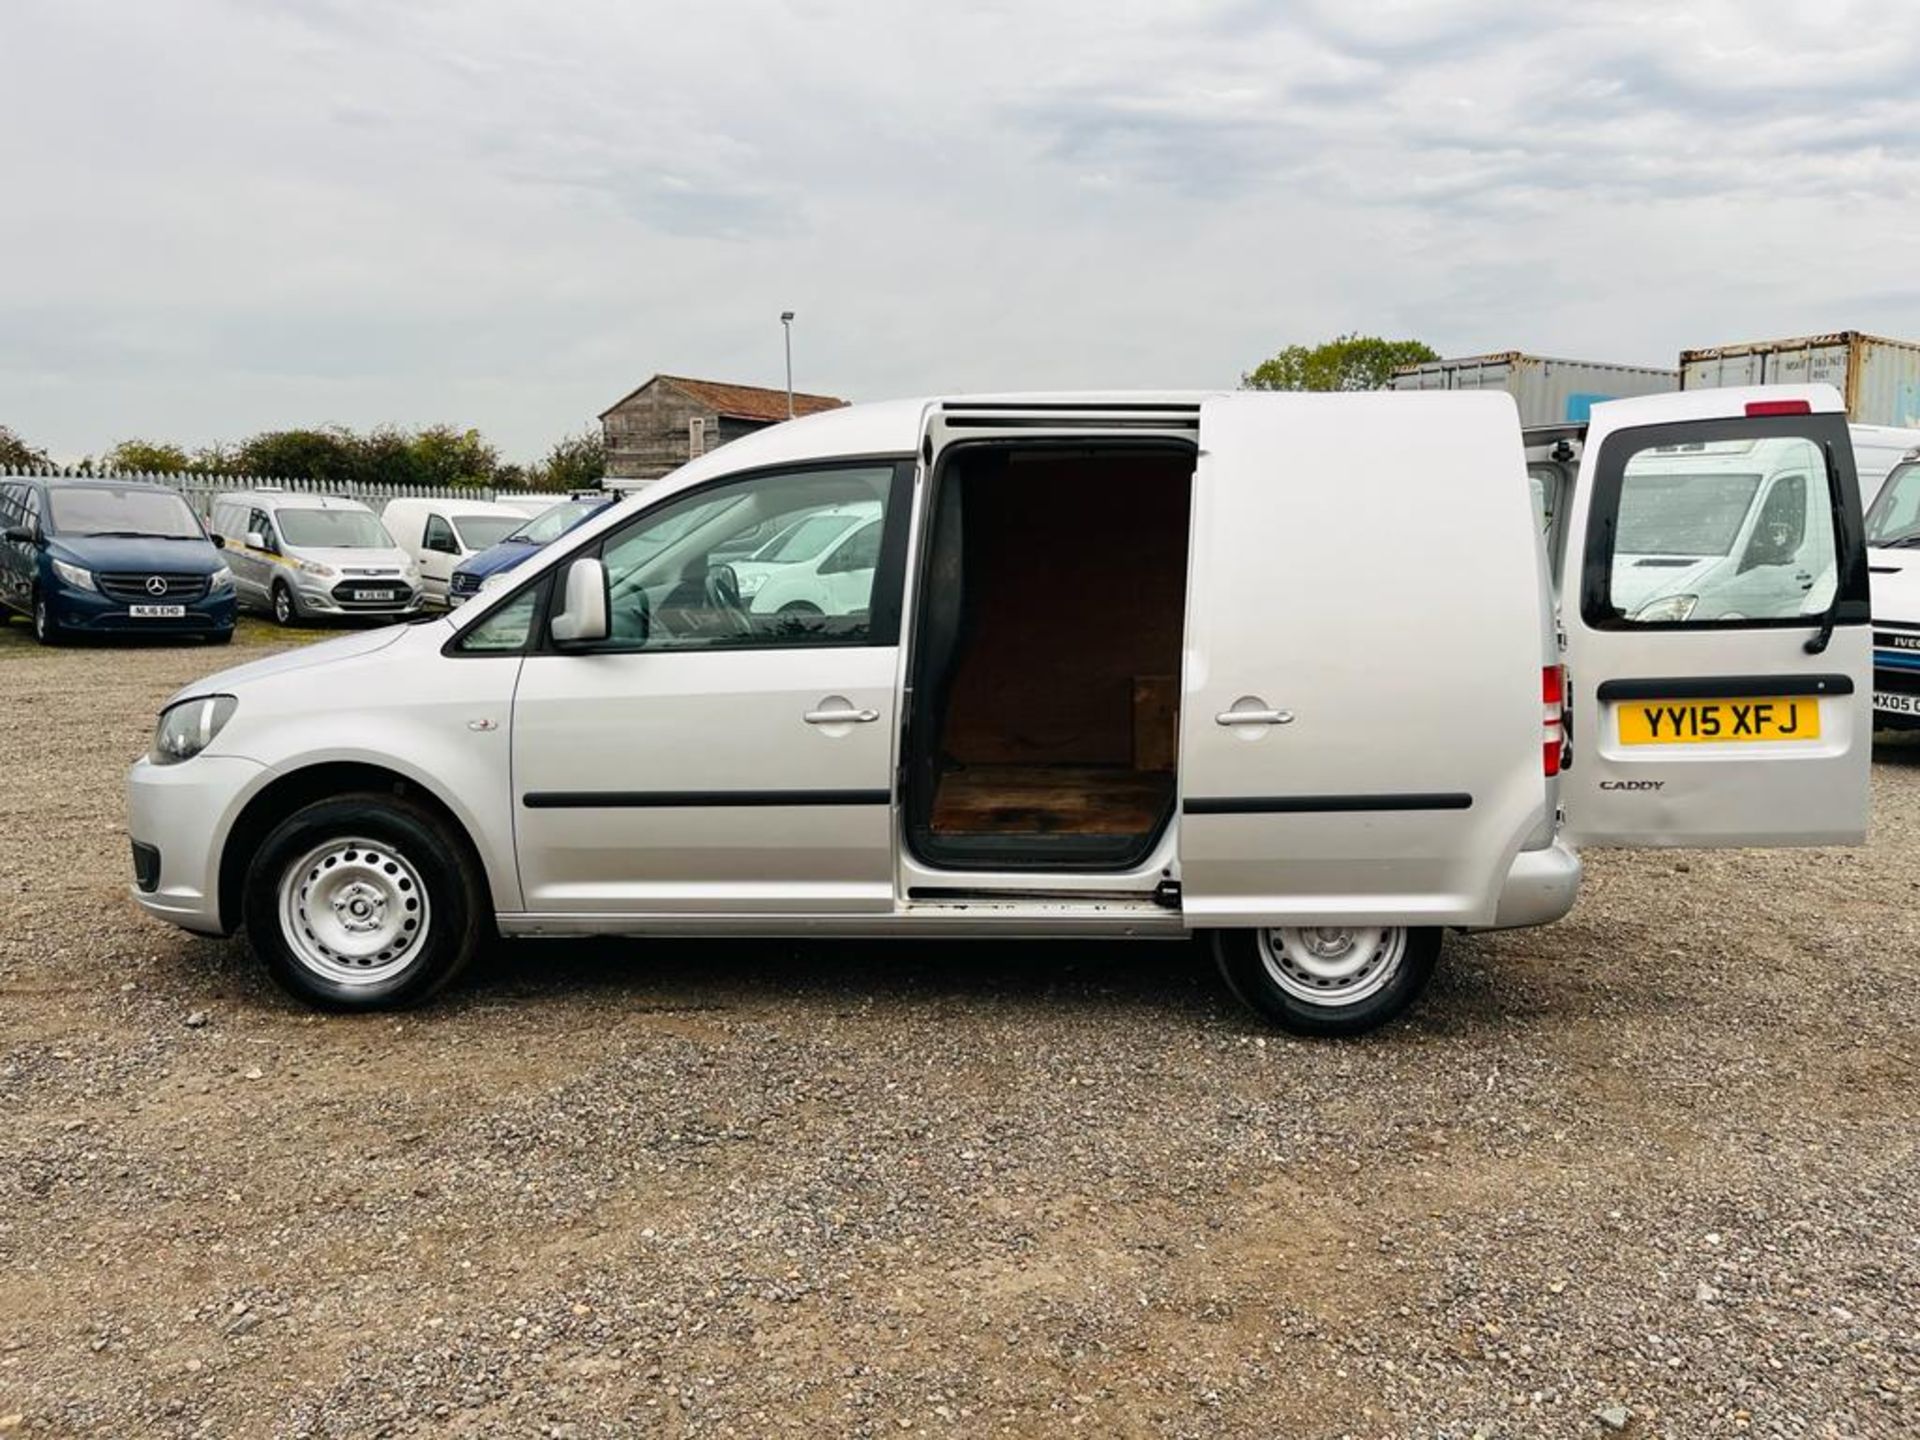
354	911
282	606
42	621
1333	965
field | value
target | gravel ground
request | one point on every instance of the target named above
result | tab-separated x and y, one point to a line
1649	1172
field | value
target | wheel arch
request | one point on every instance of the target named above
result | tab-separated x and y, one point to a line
286	793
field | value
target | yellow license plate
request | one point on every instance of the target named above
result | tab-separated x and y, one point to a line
1718	722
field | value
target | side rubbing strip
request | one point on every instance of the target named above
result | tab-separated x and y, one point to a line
1321	804
1728	687
693	799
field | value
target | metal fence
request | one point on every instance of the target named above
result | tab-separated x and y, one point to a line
199	490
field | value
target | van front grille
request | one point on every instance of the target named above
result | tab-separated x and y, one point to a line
152	587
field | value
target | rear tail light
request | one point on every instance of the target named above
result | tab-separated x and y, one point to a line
1553	717
1779	407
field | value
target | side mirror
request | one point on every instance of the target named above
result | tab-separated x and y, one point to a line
216	539
583	613
255	540
20	535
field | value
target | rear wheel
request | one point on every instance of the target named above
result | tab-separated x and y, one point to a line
1328	980
286	609
364	902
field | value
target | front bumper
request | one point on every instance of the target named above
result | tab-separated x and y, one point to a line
1540	887
184	812
319	597
90	612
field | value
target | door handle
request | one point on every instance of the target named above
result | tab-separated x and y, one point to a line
1254	717
841	717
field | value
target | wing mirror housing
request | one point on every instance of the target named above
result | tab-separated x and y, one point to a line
582	619
255	540
21	535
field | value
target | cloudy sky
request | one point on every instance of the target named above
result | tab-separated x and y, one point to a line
218	216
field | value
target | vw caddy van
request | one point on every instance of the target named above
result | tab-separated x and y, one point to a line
1130	665
304	557
1893	559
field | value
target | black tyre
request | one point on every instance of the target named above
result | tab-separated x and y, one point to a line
286	609
800	607
46	629
1328	981
365	902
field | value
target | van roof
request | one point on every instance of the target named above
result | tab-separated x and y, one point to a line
290	500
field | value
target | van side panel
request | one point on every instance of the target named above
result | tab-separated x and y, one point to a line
1366	576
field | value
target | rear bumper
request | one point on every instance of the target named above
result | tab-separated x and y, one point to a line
1540	887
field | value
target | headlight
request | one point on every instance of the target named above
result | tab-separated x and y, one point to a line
1666	610
221	579
750	584
189	727
75	576
314	567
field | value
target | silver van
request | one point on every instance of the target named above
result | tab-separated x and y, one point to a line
306	557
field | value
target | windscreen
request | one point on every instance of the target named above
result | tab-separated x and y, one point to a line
550	525
477	532
1895	516
135	510
333	529
1668	514
801	541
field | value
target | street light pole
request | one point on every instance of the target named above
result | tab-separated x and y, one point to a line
786	324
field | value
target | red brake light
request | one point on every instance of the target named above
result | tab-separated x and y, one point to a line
1553	732
1779	407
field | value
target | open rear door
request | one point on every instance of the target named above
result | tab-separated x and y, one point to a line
1714	601
1367	622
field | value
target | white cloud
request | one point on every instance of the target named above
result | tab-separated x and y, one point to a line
221	217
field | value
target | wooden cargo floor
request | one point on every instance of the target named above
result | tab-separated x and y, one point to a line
1050	800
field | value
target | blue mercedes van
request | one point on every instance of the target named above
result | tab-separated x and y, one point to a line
122	557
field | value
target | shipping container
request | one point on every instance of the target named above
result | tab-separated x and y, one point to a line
1878	378
1548	392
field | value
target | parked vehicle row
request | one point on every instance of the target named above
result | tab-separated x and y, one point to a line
1107	674
105	556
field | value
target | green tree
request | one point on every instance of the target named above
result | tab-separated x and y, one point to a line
576	462
446	456
17	454
385	456
325	454
1348	362
146	457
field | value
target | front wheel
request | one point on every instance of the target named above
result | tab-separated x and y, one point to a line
46	629
1328	980
286	609
364	902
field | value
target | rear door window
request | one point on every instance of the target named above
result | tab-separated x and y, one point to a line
1697	526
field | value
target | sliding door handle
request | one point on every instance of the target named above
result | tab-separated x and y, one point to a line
1254	717
841	717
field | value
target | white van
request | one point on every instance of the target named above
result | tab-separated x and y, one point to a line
438	534
1129	666
1893	559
